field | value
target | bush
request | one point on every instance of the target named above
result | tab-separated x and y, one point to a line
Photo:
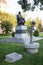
6	26
13	34
36	33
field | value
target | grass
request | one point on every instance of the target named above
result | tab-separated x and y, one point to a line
41	34
28	59
5	35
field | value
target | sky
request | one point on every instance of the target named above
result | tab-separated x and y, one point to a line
14	8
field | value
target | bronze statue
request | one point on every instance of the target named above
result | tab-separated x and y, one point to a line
20	19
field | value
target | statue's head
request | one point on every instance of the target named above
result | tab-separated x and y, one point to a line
33	22
19	12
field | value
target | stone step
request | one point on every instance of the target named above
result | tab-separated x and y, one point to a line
12	57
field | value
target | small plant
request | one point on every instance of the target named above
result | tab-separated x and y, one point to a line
13	34
36	33
6	26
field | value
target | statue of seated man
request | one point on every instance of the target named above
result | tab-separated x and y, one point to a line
20	19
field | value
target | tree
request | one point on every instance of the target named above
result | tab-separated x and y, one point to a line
37	23
8	17
28	24
28	5
6	26
40	28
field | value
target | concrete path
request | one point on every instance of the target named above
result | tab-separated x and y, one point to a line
13	39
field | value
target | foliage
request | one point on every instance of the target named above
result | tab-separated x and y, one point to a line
38	24
28	24
6	26
11	19
40	28
28	5
8	17
13	34
36	33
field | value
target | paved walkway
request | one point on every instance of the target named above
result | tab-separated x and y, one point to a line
27	39
36	38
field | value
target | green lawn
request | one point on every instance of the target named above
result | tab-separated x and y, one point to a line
28	59
5	35
41	34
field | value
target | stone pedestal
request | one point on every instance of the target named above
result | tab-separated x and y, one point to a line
21	32
32	48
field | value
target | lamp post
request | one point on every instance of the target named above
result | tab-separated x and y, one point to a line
31	31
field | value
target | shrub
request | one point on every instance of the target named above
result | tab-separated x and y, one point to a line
36	33
13	34
6	26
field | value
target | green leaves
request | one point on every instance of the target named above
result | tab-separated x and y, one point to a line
25	5
6	26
